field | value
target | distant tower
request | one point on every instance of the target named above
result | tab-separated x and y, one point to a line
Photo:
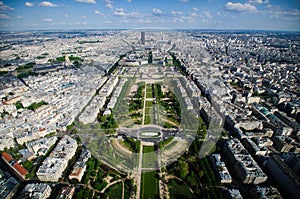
143	38
67	61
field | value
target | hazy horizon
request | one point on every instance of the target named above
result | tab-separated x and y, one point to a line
269	15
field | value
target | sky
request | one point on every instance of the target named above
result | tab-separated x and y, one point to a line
131	14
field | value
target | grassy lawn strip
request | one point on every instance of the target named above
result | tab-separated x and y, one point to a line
149	95
148	149
132	144
149	104
149	157
147	120
149	91
169	126
166	142
149	88
148	112
150	185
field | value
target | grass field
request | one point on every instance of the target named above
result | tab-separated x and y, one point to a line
150	187
149	104
149	91
149	112
149	157
148	149
149	94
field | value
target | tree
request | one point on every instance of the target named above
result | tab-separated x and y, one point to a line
19	105
184	168
201	173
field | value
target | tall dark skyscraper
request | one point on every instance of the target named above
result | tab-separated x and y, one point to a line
143	38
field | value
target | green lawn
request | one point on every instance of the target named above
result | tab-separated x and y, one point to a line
149	104
147	120
148	149
150	188
149	91
149	157
149	112
148	115
149	95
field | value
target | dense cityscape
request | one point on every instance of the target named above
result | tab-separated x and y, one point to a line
132	99
150	114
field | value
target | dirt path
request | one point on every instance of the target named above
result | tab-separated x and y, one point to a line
109	184
120	147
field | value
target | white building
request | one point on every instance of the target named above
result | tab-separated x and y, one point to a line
36	191
54	165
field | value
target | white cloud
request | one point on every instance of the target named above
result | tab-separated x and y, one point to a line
47	4
173	12
135	14
204	20
279	12
4	16
4	7
83	17
157	11
109	22
66	16
258	1
191	17
97	12
120	12
128	1
87	1
193	14
19	17
239	7
84	23
207	14
28	4
184	0
177	20
146	21
109	5
48	20
195	9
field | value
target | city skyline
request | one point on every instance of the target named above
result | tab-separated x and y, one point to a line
131	14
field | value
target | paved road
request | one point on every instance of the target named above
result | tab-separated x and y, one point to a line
139	174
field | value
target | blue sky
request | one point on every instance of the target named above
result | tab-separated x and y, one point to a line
174	14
